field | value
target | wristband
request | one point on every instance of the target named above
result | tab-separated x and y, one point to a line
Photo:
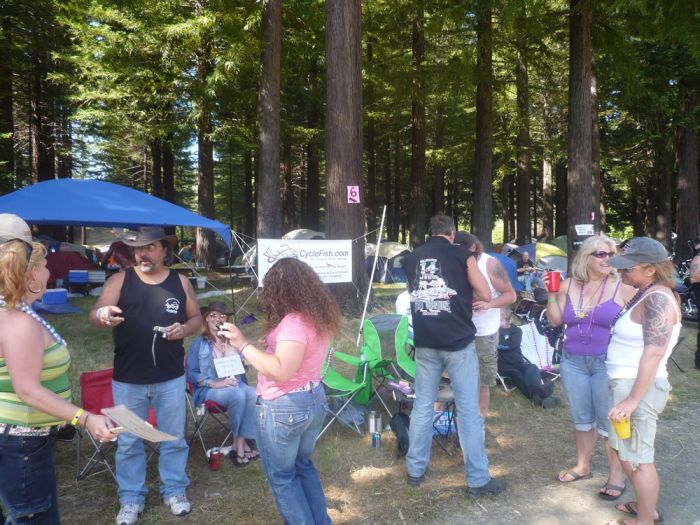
76	417
244	347
552	300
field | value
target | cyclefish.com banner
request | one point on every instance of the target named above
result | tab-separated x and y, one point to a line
331	260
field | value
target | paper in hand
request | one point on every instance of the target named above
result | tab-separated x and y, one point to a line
130	422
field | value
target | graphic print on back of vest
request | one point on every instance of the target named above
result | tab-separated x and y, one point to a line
431	293
172	305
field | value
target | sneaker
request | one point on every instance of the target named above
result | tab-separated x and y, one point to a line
494	486
415	481
179	505
129	513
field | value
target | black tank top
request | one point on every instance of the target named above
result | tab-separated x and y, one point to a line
139	357
441	297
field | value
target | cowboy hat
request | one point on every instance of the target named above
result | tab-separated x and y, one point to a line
215	306
146	235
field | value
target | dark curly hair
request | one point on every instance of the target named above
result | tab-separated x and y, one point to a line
291	286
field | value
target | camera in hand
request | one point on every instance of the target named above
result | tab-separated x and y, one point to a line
160	329
219	326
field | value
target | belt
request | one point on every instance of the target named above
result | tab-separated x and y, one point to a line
16	430
306	388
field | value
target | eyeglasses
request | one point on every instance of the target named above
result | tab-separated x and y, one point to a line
28	250
625	270
603	255
216	316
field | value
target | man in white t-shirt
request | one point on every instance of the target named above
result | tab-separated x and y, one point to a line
486	316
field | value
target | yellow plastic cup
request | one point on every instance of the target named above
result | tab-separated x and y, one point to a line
623	428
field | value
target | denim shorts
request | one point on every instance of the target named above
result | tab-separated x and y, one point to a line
486	351
30	496
639	449
585	380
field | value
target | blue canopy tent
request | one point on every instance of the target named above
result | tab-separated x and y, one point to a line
74	202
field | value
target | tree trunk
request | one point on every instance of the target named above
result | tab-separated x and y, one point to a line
687	187
288	190
344	142
547	205
206	249
482	215
269	213
156	171
506	212
371	207
523	170
560	199
248	202
168	168
418	174
580	202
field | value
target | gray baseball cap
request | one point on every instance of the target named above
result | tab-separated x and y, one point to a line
639	250
13	227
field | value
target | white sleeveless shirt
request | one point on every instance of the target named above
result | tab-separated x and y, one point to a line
627	345
487	322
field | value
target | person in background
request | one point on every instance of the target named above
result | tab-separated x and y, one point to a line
586	303
301	317
151	309
230	392
443	279
513	366
695	289
644	334
527	273
35	396
402	306
486	315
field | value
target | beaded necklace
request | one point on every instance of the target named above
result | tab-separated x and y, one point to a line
628	306
587	333
27	309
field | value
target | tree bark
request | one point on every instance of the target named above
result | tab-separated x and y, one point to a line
418	174
269	213
523	169
156	170
344	142
371	207
580	202
687	227
482	215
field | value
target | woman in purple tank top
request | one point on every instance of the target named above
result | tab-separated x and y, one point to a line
586	303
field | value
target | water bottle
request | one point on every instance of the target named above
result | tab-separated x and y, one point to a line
376	440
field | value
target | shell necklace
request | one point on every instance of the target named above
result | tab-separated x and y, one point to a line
27	309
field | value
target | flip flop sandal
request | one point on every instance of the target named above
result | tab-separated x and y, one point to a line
603	492
627	508
574	475
238	461
252	455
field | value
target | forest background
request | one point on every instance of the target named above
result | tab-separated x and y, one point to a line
533	115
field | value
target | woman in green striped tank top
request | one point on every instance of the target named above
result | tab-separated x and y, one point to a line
35	394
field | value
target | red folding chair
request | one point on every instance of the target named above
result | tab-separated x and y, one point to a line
203	413
96	394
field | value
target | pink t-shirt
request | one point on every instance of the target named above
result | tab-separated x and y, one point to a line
294	327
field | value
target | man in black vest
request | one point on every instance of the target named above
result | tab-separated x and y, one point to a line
152	309
443	279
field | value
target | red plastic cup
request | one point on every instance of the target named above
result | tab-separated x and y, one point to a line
214	459
553	281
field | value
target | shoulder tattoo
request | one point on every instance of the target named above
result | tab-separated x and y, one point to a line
655	320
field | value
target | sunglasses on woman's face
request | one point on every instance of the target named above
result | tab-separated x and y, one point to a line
603	255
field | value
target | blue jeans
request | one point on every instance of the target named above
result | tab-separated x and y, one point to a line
169	403
240	408
463	367
287	430
28	480
585	381
528	278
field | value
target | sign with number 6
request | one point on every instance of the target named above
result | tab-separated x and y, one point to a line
353	195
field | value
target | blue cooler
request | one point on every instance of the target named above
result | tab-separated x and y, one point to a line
55	296
77	276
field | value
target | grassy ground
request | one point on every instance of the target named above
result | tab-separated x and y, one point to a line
526	444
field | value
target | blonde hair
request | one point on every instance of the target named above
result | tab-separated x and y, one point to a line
665	273
579	266
14	269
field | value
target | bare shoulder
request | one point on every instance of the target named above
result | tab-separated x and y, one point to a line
15	325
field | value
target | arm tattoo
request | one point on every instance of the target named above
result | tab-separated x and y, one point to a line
499	273
655	320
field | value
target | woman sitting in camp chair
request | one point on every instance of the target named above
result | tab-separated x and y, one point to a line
234	393
518	370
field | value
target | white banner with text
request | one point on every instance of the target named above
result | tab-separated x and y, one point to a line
331	260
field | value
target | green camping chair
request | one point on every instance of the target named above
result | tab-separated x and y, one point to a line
337	385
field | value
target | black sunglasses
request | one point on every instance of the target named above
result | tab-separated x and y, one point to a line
28	250
603	255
